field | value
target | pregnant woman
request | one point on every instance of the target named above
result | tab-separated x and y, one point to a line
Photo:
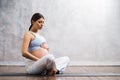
36	51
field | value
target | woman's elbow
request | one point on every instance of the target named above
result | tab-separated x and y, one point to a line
24	53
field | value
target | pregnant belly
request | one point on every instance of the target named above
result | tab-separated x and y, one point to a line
40	52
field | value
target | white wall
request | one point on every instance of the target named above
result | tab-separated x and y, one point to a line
85	30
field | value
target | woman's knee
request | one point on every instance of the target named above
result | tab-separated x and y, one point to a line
66	58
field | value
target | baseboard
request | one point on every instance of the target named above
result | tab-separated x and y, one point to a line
72	63
94	63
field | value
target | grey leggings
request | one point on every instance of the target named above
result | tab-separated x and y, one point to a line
46	63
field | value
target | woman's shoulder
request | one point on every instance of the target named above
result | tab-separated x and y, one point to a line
28	34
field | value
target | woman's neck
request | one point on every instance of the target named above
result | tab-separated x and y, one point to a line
34	30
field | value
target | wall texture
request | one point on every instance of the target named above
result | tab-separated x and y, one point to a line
85	30
14	16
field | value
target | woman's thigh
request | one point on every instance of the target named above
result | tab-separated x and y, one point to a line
42	64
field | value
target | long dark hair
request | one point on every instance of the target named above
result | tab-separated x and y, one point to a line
35	17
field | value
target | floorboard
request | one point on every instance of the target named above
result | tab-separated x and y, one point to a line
77	72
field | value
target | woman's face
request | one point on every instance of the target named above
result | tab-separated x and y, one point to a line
39	23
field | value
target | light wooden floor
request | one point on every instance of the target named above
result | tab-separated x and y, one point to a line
72	70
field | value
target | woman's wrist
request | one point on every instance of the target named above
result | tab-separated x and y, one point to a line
37	59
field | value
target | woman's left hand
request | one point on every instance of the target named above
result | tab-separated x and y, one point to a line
45	46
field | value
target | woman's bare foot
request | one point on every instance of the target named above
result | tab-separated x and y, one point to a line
51	72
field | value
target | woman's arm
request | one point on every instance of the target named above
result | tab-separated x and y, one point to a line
26	40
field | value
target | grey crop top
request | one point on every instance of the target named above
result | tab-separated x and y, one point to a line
36	42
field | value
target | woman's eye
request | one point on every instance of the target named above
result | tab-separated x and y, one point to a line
41	21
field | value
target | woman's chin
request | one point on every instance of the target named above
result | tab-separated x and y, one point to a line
40	28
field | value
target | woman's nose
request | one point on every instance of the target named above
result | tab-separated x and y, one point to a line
42	24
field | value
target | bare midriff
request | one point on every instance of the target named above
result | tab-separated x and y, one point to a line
39	53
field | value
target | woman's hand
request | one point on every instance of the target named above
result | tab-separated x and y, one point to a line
45	46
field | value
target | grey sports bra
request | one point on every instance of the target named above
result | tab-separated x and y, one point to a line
36	42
